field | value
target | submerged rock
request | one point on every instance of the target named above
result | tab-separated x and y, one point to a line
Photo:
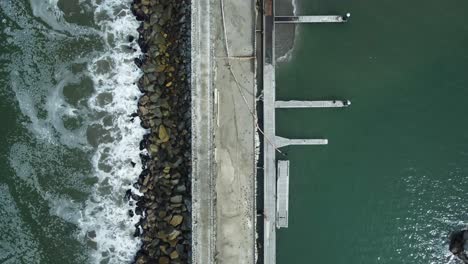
458	243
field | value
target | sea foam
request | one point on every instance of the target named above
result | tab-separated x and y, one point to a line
106	212
287	56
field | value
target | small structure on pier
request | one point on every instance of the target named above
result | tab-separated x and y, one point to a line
282	201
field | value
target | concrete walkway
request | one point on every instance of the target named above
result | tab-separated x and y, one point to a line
224	171
235	88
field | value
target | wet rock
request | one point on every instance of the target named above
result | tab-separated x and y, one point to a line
138	62
144	173
136	197
128	194
137	232
91	234
142	144
138	211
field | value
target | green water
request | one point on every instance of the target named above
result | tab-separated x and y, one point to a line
392	182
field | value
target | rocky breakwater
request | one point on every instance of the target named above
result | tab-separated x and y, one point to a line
164	109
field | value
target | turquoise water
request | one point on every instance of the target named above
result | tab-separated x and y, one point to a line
392	182
66	93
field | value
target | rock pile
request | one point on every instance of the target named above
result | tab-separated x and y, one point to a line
164	108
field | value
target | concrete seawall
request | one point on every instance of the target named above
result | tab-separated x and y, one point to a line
202	135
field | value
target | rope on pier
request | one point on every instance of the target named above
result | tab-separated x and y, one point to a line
254	115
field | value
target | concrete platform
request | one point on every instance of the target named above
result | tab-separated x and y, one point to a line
309	19
282	201
283	142
312	104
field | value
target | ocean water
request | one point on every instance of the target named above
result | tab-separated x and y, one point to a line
67	90
393	181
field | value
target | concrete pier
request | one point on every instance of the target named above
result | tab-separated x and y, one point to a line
284	142
312	104
282	201
310	19
275	201
269	164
